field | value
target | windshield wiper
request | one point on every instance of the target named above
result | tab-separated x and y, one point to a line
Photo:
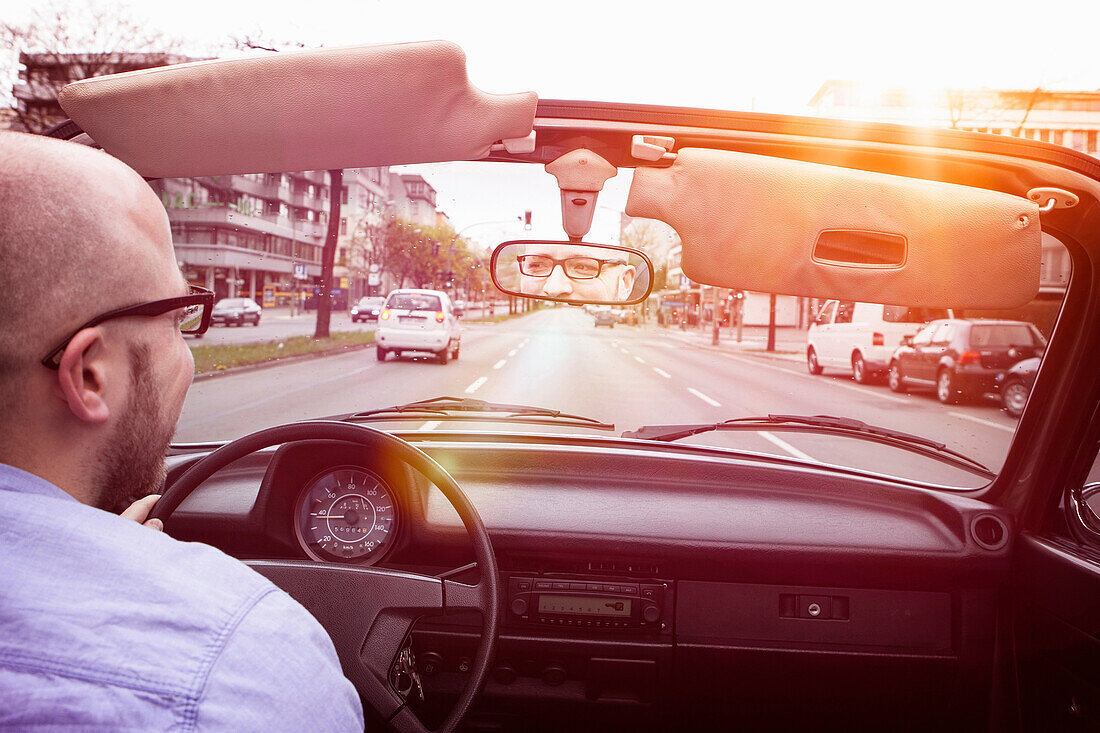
459	408
820	424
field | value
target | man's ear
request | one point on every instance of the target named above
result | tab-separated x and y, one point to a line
81	377
626	281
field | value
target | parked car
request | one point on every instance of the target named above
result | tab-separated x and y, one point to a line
962	359
604	318
236	312
367	309
415	320
861	337
1016	385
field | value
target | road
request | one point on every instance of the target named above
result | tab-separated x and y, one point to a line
277	323
630	376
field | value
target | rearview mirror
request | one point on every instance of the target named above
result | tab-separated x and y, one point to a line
572	272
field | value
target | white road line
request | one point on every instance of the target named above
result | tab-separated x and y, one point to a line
786	446
512	352
639	359
476	385
500	363
663	373
823	380
990	423
704	398
431	425
624	351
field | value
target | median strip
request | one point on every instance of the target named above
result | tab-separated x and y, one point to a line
212	358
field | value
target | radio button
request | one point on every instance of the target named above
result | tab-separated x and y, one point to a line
576	586
649	592
630	590
595	587
651	613
523	585
542	585
561	586
519	606
611	588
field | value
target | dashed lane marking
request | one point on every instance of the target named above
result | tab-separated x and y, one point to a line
476	385
663	373
786	446
639	359
512	352
500	363
431	425
704	398
990	423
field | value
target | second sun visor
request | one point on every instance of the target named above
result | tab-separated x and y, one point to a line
773	225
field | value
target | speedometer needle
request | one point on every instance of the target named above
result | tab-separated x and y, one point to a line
328	516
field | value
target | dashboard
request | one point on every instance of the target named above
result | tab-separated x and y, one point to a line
634	599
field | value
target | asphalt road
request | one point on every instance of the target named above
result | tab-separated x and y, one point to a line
278	323
630	376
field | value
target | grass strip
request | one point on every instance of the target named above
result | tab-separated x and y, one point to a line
216	357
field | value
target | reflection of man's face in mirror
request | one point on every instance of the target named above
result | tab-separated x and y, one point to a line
597	274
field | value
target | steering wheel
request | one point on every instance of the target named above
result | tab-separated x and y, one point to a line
369	611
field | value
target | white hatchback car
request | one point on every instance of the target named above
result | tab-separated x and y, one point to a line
861	337
418	320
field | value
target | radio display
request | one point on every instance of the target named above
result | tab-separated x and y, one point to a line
584	605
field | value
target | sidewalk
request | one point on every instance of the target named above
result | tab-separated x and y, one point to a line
790	342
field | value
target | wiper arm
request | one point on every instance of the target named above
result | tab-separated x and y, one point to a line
446	407
819	423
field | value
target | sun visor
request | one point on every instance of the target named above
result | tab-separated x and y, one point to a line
309	110
772	225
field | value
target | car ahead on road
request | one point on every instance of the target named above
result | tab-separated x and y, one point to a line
236	312
604	318
1016	385
644	533
861	337
416	321
962	359
367	309
459	308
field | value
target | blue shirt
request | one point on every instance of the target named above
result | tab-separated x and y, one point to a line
106	624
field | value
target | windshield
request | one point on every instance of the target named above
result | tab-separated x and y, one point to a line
689	353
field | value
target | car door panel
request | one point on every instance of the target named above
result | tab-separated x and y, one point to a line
1056	634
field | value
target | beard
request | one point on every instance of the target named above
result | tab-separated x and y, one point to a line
132	465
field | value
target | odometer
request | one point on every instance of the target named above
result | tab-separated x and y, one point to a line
346	514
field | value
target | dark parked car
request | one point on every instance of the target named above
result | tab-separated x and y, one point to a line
1016	385
962	359
236	312
367	309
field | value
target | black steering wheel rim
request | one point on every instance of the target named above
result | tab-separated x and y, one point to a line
484	597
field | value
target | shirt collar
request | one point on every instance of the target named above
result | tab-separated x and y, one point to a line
22	482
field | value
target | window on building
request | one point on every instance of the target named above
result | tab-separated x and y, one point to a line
343	194
1056	137
344	224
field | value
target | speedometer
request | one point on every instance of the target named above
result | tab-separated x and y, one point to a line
346	514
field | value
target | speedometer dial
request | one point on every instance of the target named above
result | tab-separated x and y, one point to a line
346	514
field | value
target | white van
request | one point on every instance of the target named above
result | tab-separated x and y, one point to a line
861	337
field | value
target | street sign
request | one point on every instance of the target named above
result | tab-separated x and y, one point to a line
374	267
300	271
343	283
374	278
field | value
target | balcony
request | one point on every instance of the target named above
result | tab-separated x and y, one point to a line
305	201
240	184
280	226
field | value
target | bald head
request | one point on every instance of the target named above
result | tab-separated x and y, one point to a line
80	234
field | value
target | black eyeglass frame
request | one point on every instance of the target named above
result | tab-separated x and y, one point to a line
197	296
561	262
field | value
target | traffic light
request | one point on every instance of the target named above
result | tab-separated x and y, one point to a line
527	221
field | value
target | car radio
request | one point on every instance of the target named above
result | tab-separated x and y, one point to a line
586	603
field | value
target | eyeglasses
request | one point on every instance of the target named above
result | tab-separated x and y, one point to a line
194	317
575	268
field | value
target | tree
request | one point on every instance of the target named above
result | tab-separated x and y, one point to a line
76	41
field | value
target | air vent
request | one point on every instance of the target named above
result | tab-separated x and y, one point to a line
990	532
856	248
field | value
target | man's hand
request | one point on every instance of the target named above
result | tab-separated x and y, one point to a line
140	509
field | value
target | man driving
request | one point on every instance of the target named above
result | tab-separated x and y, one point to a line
106	623
575	272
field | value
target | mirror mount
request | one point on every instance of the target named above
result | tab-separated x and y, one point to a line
575	273
581	175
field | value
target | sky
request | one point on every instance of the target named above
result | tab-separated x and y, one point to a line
767	57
